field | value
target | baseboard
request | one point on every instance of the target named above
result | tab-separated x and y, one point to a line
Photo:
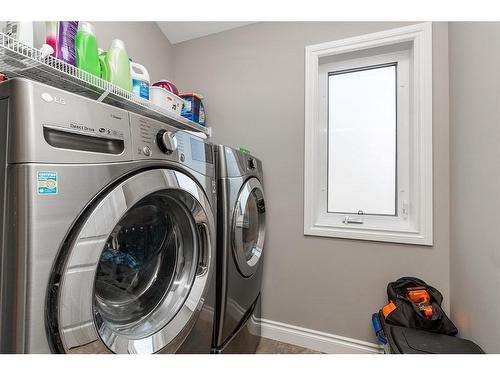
316	340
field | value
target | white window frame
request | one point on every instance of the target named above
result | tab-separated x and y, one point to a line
413	222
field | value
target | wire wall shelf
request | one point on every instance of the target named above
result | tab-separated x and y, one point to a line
19	60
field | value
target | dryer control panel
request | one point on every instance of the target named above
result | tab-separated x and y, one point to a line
234	163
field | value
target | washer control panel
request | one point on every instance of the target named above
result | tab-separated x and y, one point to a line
153	139
166	141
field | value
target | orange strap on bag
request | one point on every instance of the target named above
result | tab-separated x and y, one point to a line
387	309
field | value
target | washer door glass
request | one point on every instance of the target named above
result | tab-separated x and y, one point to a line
136	272
249	227
150	255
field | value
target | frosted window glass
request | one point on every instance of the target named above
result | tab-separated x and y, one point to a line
362	141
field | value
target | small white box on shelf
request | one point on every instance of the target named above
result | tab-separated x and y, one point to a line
165	99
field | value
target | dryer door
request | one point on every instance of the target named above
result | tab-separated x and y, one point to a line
249	227
137	268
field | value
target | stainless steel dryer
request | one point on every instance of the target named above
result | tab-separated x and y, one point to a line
240	244
108	228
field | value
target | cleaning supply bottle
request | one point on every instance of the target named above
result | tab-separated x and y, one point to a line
140	80
65	48
51	28
118	65
102	64
22	31
87	55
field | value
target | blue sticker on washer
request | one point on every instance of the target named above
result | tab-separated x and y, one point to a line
46	183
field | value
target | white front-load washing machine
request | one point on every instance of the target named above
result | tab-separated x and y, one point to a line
108	228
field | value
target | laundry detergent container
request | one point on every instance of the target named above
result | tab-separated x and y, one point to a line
193	108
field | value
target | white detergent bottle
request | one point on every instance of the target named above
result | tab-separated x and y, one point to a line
140	80
22	31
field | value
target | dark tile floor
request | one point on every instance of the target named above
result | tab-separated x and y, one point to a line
268	346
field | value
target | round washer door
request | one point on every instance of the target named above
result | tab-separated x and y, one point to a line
137	269
249	227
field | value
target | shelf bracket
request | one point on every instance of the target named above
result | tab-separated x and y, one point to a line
103	96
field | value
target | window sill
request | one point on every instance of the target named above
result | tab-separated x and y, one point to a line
348	232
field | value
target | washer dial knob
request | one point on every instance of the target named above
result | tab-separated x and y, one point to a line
166	141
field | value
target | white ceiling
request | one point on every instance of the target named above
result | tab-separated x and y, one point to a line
177	32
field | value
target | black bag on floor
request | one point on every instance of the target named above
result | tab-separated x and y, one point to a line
407	314
401	340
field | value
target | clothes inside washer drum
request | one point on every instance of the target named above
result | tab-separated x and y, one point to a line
138	264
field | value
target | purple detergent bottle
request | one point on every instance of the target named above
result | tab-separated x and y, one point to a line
65	50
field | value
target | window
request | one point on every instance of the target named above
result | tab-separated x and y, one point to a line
362	140
368	151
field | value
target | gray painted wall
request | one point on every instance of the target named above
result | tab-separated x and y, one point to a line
253	81
475	181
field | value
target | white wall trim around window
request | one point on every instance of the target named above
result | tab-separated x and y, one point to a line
419	227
